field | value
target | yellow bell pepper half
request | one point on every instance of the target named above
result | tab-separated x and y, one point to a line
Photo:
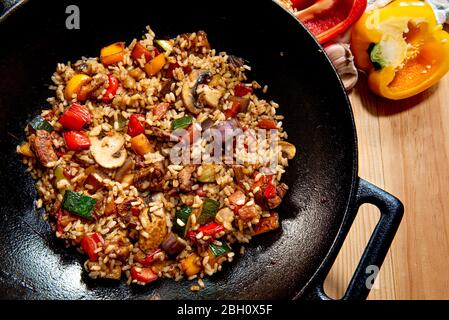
401	48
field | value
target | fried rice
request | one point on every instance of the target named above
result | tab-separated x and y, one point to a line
101	157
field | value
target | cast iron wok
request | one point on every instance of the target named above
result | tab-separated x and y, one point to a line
325	190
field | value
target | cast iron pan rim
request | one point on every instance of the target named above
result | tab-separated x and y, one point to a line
350	208
8	12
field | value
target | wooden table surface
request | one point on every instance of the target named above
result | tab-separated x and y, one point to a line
404	149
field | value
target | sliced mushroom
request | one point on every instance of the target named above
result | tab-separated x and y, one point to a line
212	96
287	149
109	152
189	88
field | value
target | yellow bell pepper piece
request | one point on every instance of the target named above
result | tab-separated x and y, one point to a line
75	85
155	65
401	48
25	150
191	265
141	145
113	53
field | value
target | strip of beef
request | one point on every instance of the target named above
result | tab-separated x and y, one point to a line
151	177
163	135
43	148
185	178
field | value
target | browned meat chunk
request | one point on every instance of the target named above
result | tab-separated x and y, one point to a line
185	178
163	135
151	177
247	213
43	148
272	202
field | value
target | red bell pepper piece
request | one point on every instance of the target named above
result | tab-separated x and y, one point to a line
135	211
270	190
135	126
240	90
148	259
139	50
111	90
200	192
76	140
90	245
173	66
211	229
145	275
267	124
75	117
160	110
328	21
234	110
59	226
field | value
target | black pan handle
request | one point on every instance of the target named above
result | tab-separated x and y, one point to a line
391	210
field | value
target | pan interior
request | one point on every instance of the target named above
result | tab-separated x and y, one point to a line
34	264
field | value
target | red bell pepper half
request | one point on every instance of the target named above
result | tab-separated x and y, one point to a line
111	90
135	126
327	19
76	140
75	117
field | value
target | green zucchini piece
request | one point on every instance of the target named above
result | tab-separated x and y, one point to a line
209	211
39	123
218	251
78	203
183	215
182	123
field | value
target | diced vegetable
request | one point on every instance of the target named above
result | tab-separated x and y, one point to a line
288	149
214	81
211	230
90	245
241	90
39	123
145	275
270	190
236	106
136	126
112	89
267	124
140	51
75	85
218	251
75	117
182	220
76	140
108	151
206	173
146	260
182	123
160	110
62	182
210	209
266	224
173	245
191	265
247	213
141	145
78	203
113	53
124	169
25	150
164	45
155	65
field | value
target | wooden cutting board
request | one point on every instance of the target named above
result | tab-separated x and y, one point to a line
404	149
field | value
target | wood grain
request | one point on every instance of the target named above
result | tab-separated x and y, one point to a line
404	149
